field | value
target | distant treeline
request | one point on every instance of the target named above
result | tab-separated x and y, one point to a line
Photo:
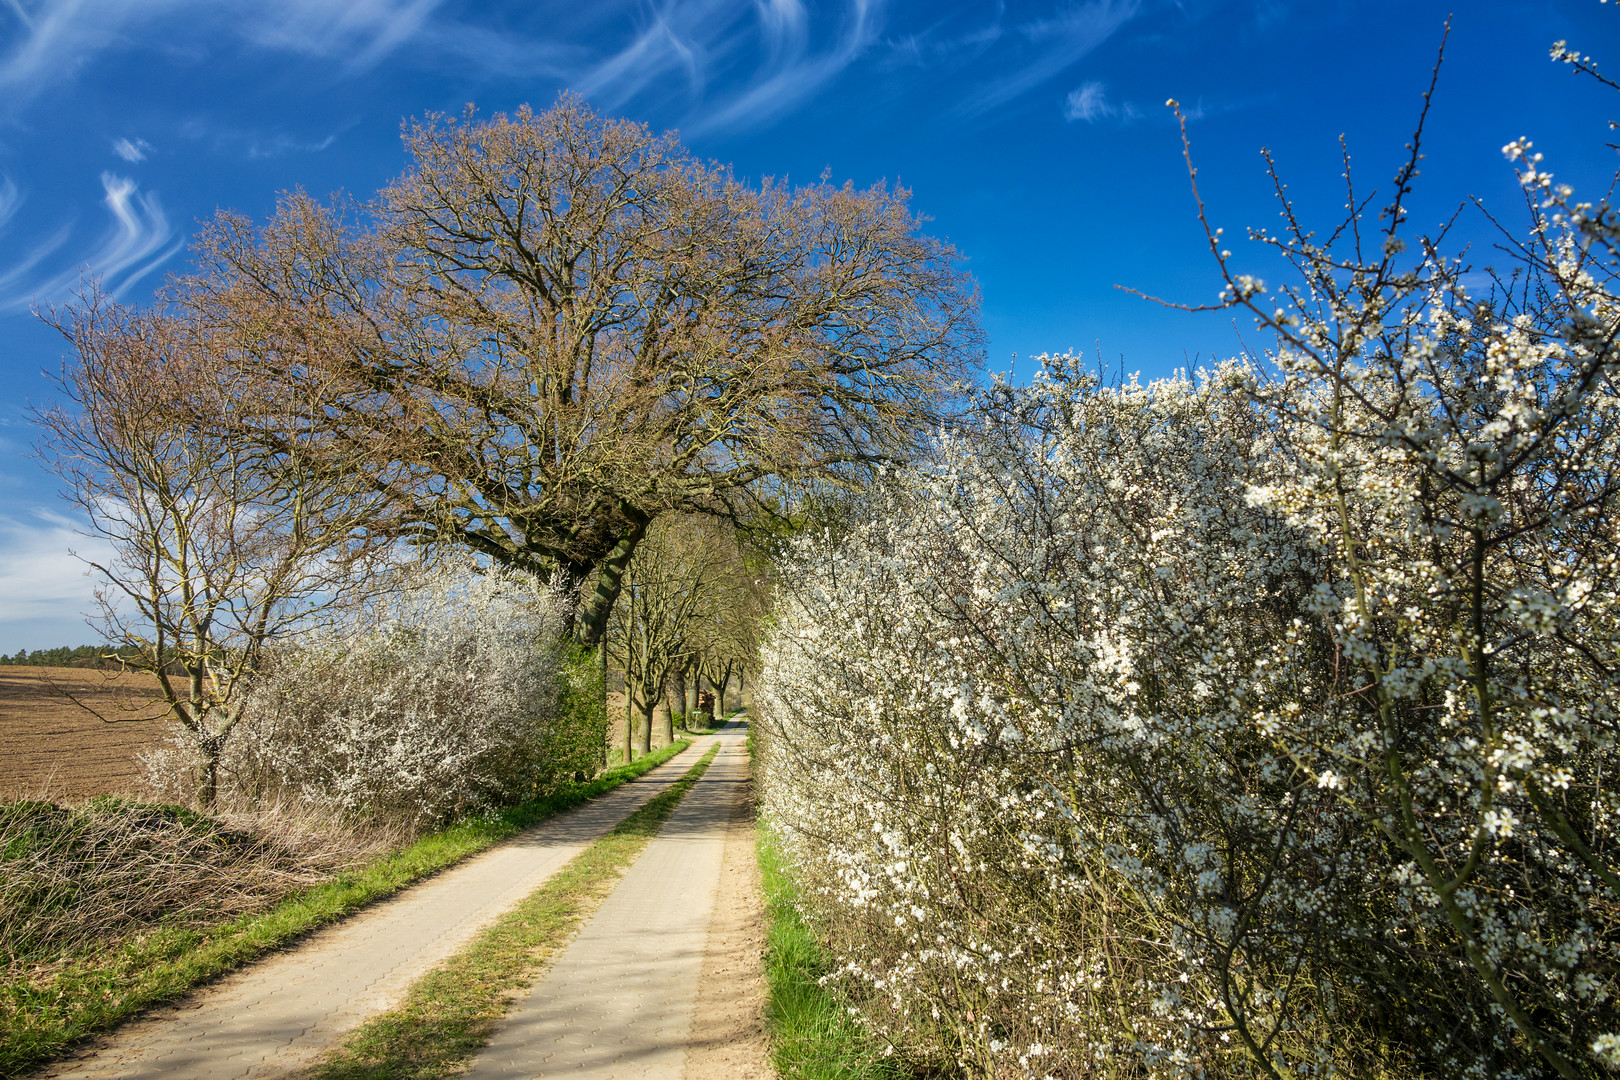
65	656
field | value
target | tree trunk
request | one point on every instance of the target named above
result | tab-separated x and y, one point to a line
673	695
208	785
692	697
667	718
629	719
646	727
593	613
601	655
678	693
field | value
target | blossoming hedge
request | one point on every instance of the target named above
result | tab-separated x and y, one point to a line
1262	721
442	700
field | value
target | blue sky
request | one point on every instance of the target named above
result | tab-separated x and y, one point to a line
1033	133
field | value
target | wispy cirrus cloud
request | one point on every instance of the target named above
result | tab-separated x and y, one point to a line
15	292
1089	102
943	44
764	51
361	31
792	71
785	26
502	54
41	577
58	38
277	145
132	152
137	243
1052	46
10	199
672	38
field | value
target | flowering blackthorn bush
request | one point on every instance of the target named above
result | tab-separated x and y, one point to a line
438	701
1262	720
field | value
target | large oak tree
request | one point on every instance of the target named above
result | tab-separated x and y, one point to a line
553	328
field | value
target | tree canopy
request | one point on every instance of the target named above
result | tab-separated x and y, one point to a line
553	328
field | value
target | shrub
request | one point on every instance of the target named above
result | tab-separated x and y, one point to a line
441	700
1259	721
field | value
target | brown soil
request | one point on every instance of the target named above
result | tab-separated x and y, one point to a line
729	1040
53	748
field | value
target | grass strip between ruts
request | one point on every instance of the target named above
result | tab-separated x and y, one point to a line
450	1013
40	1021
812	1035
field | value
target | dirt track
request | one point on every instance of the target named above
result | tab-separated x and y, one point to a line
621	1002
52	748
277	1015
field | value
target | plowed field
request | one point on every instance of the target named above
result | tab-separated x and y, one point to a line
52	748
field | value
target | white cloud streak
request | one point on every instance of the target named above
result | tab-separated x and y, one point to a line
361	31
502	55
14	293
40	576
132	152
137	243
933	45
1058	43
10	199
60	37
792	75
1088	102
785	25
669	41
18	10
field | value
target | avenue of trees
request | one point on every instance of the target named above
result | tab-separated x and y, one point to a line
689	614
549	336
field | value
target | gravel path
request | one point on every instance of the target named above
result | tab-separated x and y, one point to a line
277	1014
620	1001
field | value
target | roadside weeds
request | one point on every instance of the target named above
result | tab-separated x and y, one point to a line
812	1035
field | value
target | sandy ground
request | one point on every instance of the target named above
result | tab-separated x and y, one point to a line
52	748
730	1042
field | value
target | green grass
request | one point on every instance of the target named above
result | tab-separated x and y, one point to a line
812	1036
713	725
450	1013
40	1018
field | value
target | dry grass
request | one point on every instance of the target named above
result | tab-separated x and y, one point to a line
72	879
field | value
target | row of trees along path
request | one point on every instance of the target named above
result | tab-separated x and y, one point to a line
549	333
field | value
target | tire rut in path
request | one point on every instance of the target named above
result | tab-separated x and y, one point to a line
620	1001
279	1013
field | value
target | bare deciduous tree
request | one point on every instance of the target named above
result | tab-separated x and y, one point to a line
217	546
554	328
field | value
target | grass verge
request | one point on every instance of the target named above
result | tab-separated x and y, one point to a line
812	1036
41	1017
450	1013
711	727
